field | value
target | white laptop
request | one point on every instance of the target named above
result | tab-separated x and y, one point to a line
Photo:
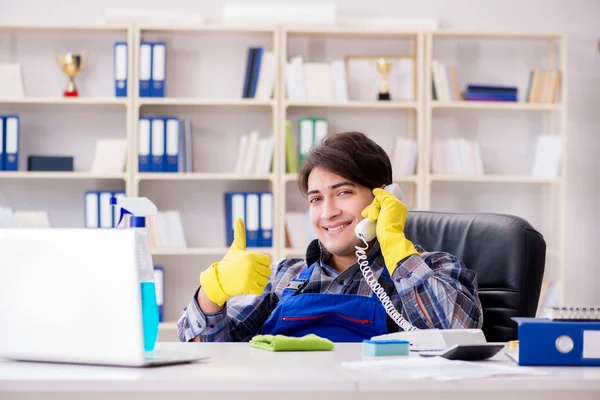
73	296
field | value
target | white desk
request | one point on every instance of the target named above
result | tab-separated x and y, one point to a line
238	371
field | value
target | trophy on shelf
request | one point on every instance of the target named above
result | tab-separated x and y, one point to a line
384	66
71	64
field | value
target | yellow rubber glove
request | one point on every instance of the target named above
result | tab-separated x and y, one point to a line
390	214
239	272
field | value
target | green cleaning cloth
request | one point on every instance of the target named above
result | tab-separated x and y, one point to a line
309	342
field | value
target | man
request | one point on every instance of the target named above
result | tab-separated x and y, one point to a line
326	293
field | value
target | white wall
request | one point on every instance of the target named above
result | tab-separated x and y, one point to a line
578	20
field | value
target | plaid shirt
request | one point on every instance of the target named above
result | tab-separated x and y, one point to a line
447	289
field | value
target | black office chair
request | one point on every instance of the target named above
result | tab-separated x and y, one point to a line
507	253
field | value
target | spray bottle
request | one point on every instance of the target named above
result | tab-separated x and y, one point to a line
139	208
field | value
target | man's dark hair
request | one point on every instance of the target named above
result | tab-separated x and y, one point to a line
351	155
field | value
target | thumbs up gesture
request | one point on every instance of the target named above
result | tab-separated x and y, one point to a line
239	272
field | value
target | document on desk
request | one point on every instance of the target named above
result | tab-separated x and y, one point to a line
439	368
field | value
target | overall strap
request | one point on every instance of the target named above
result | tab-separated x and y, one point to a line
299	282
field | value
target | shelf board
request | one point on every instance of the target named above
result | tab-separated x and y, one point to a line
201	176
492	179
214	29
349	31
108	28
70	101
197	102
356	104
496	105
459	34
203	251
58	175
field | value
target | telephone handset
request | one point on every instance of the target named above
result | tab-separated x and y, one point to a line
366	227
365	230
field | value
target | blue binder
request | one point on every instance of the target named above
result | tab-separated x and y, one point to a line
172	146
235	207
144	144
157	133
2	144
255	71
248	73
121	69
252	219
11	142
145	69
266	220
159	64
545	342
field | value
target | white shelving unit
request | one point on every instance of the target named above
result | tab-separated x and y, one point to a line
205	67
522	51
51	124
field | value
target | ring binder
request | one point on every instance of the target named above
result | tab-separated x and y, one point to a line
573	313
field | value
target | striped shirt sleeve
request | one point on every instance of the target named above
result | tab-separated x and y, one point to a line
444	286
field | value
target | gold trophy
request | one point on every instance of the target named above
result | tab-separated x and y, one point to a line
71	64
384	67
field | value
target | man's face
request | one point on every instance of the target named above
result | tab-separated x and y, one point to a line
335	205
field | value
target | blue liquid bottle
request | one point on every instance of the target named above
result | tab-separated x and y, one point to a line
139	208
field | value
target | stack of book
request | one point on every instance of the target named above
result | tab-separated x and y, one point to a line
491	93
316	82
544	86
255	154
456	157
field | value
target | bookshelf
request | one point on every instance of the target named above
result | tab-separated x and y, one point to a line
516	51
214	58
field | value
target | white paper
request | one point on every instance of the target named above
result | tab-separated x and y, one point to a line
439	368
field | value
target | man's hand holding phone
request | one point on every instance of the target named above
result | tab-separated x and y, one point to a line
239	272
390	215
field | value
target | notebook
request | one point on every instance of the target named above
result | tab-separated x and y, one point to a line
571	313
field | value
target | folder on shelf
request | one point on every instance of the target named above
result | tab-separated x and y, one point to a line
105	210
321	129
121	69
252	219
116	212
266	220
157	133
144	145
545	342
305	138
235	207
2	144
248	73
91	209
159	284
172	145
145	69
11	143
256	62
159	64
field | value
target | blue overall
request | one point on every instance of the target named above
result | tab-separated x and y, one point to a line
337	317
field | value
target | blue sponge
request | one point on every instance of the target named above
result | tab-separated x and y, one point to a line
385	347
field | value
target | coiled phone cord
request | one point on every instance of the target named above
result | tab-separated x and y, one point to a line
385	300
